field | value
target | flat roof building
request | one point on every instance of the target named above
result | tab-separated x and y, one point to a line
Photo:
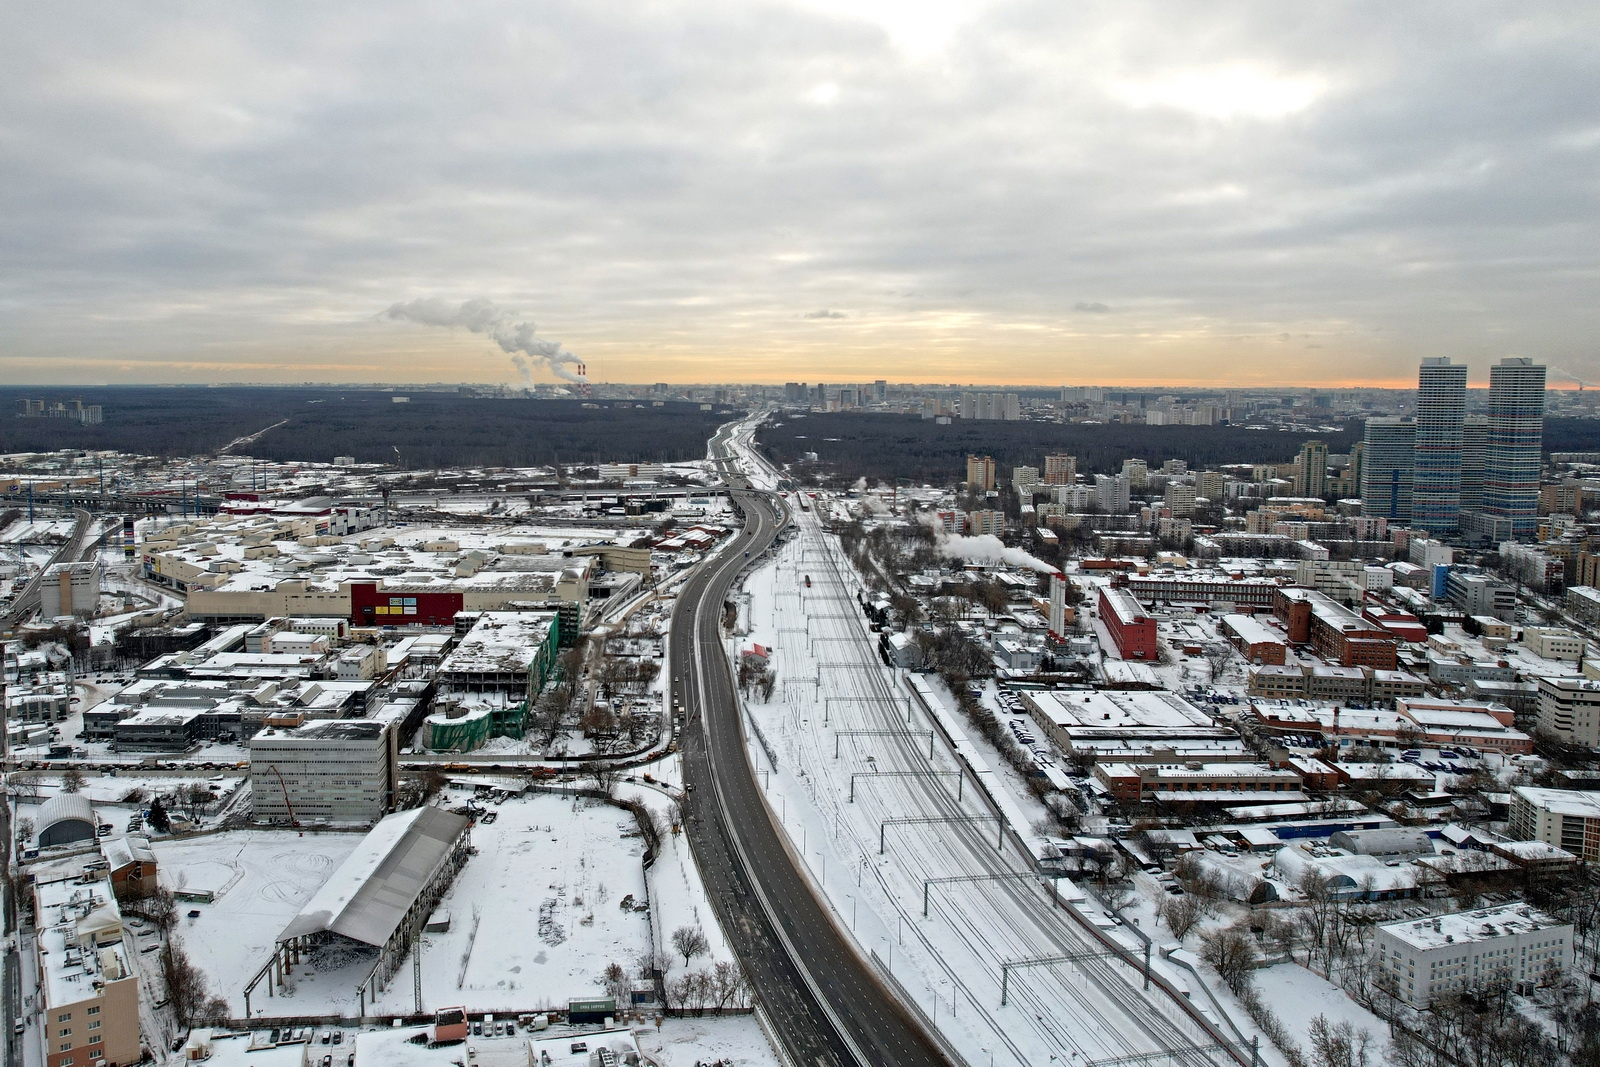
88	986
1566	818
338	770
1133	631
1569	708
1511	946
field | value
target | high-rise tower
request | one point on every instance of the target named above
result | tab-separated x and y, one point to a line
1516	440
1441	413
1386	462
1311	469
1474	457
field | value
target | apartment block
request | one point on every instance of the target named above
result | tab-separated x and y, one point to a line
1060	470
1566	818
980	472
1569	708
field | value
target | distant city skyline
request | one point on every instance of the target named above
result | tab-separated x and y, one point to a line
996	193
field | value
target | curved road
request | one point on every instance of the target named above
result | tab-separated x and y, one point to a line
824	1003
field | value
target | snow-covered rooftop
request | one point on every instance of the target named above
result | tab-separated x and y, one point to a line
368	896
1467	926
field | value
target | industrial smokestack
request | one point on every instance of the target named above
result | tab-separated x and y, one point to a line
516	338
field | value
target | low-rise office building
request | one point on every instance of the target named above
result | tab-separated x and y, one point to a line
1256	641
1513	946
1195	781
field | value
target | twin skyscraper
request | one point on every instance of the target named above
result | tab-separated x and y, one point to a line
1452	474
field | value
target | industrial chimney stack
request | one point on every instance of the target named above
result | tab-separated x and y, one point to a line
1058	605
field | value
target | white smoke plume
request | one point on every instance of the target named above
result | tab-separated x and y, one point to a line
482	316
985	548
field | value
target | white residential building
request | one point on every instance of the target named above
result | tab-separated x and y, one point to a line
1448	955
1566	818
1111	492
1569	708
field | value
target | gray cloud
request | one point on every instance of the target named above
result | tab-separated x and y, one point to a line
1095	308
825	313
230	182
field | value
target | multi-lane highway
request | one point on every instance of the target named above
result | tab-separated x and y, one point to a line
824	1003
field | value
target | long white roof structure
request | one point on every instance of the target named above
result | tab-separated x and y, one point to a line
368	896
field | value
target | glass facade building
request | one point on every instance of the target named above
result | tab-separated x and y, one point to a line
1386	468
1516	438
1436	475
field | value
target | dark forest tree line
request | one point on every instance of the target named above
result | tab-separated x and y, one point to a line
851	445
431	430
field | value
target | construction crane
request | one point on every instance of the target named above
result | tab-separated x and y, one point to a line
293	822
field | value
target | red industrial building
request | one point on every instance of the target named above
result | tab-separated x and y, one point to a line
1404	625
1256	641
374	606
1129	626
1338	634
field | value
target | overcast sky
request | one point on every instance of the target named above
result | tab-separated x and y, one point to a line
692	190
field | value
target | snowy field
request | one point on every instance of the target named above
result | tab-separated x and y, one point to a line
260	878
536	914
1296	996
736	1039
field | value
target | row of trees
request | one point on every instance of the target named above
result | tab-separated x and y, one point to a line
718	987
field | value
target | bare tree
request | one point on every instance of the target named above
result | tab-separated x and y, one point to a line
186	985
1339	1044
615	981
1232	951
730	987
689	942
72	780
1180	914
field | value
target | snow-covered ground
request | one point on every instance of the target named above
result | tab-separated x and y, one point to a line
260	878
677	894
734	1039
1296	996
536	915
